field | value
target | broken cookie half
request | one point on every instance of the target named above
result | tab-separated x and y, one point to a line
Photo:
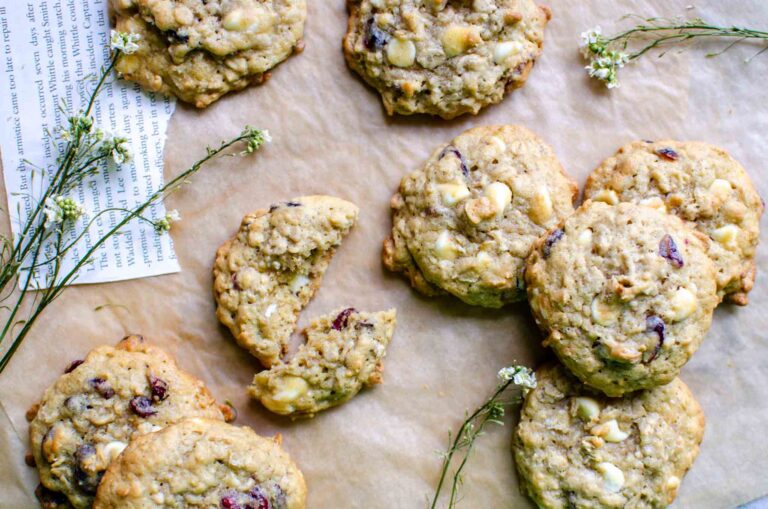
267	273
343	353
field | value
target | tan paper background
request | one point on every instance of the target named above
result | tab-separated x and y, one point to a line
331	136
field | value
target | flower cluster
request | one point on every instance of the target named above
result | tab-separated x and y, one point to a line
163	225
117	148
58	209
255	138
124	43
520	376
604	63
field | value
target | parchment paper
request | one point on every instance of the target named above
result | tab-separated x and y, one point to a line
331	136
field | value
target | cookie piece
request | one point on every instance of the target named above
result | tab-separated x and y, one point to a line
576	448
443	57
466	222
90	414
703	185
198	50
625	294
270	270
203	463
343	353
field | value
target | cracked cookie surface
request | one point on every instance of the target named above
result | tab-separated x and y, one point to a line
89	415
625	294
198	50
203	463
701	184
465	223
576	448
443	57
343	353
270	270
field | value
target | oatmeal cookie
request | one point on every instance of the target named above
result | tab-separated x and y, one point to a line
443	57
703	185
576	448
203	463
89	415
343	353
466	222
198	50
625	294
270	270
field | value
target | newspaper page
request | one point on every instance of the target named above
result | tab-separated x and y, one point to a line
51	52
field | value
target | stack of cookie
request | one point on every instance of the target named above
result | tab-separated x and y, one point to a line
126	427
624	288
263	278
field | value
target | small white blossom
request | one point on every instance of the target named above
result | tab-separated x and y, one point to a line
589	38
605	68
123	42
255	138
163	225
520	375
58	209
116	147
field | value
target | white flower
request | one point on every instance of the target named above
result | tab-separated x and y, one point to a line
588	38
520	375
126	43
605	68
58	209
116	147
163	225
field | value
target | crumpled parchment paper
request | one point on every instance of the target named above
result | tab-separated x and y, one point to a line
331	136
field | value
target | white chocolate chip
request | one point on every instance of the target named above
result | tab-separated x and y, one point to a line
585	237
500	196
720	189
503	50
445	248
270	310
290	388
587	408
236	20
654	202
609	431
112	450
727	235
613	477
682	304
457	39
158	498
483	259
608	196
453	193
401	52
541	206
604	313
298	282
673	483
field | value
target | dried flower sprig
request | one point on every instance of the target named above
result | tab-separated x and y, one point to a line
609	53
41	245
490	412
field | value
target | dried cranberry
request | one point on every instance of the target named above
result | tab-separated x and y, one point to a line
654	323
375	38
174	36
551	240
668	249
342	319
293	204
102	387
262	502
230	502
453	150
235	284
158	387
142	406
667	153
86	477
49	499
73	365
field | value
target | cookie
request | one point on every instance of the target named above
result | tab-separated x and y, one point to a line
199	50
343	353
89	415
270	270
466	222
443	57
576	448
203	463
703	185
625	294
